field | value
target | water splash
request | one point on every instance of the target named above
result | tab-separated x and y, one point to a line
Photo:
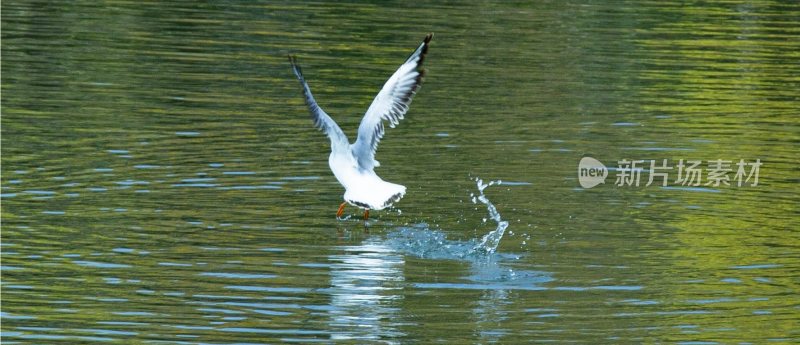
490	241
488	272
420	240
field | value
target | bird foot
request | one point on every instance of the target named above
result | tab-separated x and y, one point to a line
340	212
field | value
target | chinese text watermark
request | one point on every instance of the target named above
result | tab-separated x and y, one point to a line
693	173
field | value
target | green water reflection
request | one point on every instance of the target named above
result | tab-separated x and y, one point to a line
162	183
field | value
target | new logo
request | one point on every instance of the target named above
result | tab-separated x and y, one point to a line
591	172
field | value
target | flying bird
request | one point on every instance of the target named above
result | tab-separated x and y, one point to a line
354	164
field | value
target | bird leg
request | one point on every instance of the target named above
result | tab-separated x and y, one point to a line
366	214
341	210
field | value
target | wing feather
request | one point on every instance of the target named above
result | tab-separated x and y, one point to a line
390	105
321	119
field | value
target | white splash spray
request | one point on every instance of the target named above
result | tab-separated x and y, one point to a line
488	271
490	241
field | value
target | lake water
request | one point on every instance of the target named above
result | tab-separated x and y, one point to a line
162	182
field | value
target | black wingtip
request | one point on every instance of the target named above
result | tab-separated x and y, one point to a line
295	67
422	55
423	49
428	38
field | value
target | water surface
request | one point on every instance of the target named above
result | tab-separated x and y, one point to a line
162	182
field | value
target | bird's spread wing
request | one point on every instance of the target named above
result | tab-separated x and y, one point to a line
321	119
390	104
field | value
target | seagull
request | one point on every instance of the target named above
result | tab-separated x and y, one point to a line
354	164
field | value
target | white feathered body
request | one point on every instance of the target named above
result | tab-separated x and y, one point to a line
363	188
